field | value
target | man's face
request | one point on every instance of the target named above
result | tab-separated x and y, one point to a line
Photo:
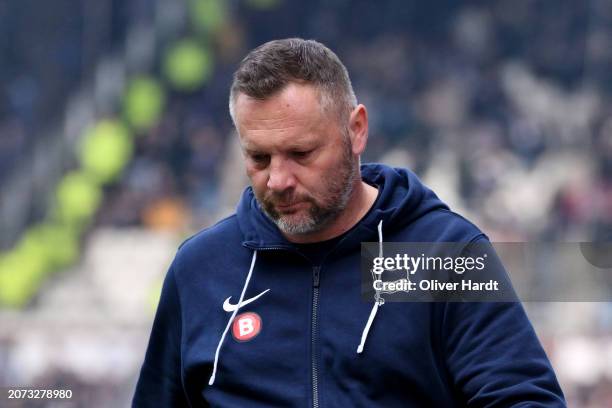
298	158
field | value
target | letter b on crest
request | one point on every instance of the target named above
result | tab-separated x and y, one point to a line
246	326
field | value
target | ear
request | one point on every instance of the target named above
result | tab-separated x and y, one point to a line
358	129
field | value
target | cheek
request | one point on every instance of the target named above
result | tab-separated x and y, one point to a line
259	178
251	170
313	181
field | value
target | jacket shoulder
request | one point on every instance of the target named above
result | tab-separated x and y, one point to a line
444	225
214	240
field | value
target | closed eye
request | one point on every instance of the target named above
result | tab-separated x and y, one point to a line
259	158
301	154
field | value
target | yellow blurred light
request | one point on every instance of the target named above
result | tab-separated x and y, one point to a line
78	198
188	65
56	244
207	15
143	102
20	277
106	149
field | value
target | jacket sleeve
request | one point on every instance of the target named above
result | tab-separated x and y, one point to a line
494	356
159	384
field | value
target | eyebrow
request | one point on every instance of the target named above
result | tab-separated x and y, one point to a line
252	151
290	147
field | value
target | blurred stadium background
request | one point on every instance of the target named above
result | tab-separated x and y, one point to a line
116	144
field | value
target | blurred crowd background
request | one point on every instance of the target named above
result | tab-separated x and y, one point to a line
116	144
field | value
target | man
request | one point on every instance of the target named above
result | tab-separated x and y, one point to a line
265	309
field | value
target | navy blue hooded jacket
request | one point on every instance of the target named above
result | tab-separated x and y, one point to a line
432	354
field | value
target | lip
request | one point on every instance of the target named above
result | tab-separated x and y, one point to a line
286	207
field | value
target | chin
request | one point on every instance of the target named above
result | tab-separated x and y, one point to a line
296	225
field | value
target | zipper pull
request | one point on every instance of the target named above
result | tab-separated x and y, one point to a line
316	273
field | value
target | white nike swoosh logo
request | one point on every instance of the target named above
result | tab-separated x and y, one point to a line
228	307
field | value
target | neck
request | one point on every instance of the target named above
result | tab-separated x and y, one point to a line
362	199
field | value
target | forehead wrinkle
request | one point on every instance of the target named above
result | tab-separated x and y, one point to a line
282	139
280	123
296	130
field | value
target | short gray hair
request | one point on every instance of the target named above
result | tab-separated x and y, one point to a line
270	67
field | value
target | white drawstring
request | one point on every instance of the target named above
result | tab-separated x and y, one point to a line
366	329
377	301
364	335
380	240
231	319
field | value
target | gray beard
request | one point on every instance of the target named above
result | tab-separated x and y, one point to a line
340	188
318	218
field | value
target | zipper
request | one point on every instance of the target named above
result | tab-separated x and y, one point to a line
316	272
271	248
316	275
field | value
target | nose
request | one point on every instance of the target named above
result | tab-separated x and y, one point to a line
280	177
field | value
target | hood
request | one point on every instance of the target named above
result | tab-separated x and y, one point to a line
402	198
